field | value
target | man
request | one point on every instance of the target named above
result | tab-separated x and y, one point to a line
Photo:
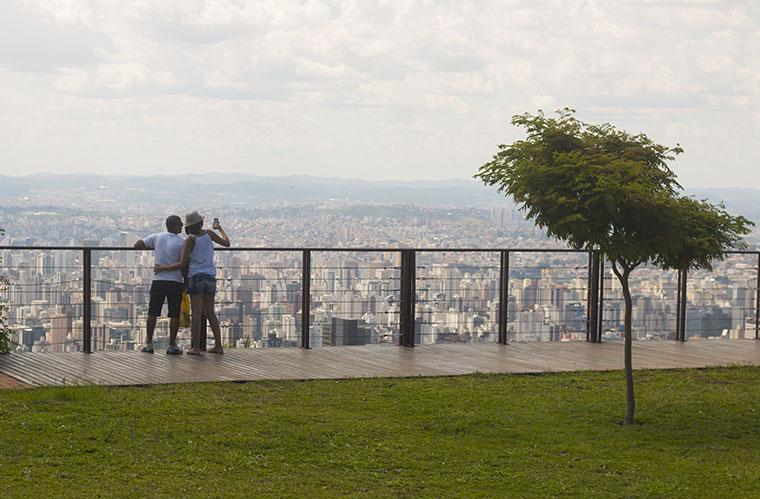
167	286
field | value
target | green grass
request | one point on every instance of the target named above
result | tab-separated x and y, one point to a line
485	435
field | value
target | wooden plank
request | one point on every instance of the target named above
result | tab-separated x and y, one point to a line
6	382
129	368
35	368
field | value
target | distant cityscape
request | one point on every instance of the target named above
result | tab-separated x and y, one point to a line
354	295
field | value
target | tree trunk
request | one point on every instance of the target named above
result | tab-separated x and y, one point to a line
630	401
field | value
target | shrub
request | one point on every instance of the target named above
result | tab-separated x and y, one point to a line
5	332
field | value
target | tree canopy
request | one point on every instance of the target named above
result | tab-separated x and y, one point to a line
699	234
600	188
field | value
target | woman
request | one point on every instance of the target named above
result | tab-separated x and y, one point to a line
198	258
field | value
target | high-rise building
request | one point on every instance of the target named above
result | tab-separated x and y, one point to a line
293	295
243	296
60	326
45	263
340	332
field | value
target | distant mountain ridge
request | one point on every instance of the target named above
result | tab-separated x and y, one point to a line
738	200
454	192
460	192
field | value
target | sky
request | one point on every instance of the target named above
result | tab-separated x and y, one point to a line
392	90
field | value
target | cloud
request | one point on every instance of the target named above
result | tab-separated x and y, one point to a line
31	41
293	86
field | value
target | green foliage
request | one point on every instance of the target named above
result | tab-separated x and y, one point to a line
555	435
5	333
600	188
700	233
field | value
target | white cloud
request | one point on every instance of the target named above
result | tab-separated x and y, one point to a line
377	89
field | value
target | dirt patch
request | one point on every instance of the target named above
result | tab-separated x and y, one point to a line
6	382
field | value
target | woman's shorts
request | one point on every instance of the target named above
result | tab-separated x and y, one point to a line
201	284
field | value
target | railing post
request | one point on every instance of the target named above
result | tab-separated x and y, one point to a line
204	333
681	325
503	296
600	320
757	300
87	300
203	336
408	296
305	298
678	306
588	295
592	311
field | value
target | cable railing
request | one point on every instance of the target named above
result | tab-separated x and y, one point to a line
655	303
87	299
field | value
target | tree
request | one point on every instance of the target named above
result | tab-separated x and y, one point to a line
601	189
5	333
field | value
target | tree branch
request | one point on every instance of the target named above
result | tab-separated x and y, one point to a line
616	270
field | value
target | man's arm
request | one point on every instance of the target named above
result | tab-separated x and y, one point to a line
187	247
146	243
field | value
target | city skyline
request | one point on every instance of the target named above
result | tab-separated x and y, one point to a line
285	209
354	295
355	299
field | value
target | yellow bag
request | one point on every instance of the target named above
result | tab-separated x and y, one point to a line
184	311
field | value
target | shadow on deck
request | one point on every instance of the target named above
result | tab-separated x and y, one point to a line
134	368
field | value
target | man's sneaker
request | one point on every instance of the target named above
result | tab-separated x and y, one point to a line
174	350
148	348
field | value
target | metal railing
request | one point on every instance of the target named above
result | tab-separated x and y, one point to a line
408	290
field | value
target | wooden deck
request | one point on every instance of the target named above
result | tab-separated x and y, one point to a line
134	368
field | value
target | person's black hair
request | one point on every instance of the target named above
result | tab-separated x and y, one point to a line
173	221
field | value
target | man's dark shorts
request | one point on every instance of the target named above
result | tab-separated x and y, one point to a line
201	284
170	291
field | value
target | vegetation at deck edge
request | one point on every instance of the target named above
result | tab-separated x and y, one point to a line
5	333
481	435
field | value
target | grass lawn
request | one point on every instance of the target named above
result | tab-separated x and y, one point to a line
483	435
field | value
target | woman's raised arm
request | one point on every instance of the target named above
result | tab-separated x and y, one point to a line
222	240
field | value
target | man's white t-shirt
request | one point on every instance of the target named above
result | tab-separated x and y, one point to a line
168	249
